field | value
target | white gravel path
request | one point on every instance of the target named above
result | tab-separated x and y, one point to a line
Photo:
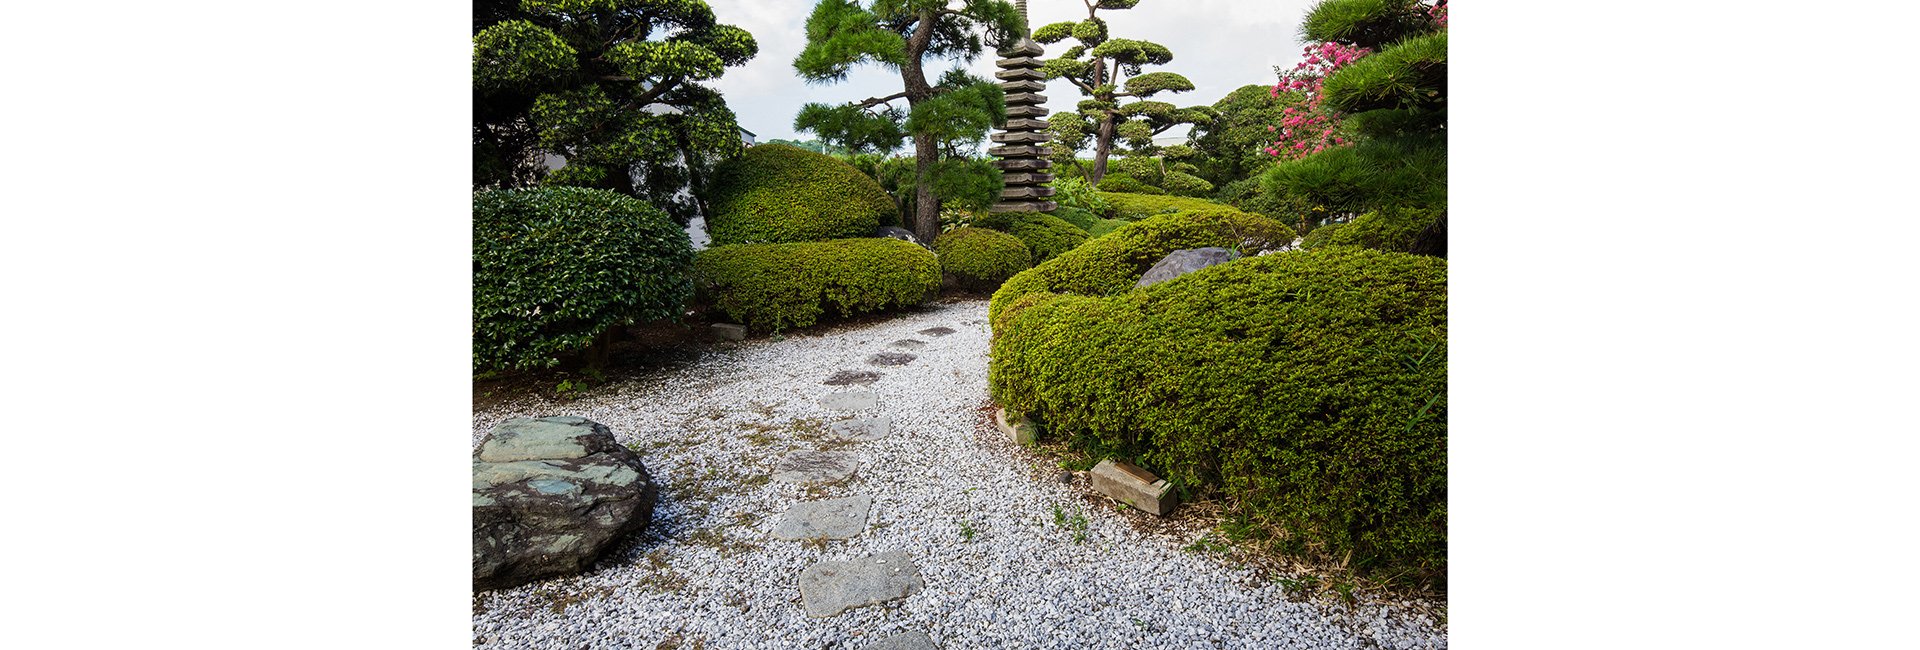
709	574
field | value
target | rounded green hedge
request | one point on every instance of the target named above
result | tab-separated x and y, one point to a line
554	267
981	259
1046	235
1134	207
776	194
774	286
1118	182
1387	229
1319	236
1112	263
1309	385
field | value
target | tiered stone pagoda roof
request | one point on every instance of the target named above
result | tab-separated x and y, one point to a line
1022	148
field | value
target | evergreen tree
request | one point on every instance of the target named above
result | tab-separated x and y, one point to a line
1111	65
942	118
611	85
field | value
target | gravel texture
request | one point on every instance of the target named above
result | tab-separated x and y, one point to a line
976	515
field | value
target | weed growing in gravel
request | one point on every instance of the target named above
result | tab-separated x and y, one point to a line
966	529
1077	523
815	432
716	537
1209	545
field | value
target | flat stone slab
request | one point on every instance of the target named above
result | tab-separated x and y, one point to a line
807	466
1134	486
863	429
909	344
936	331
828	588
1021	431
829	519
890	358
915	640
853	400
850	377
730	331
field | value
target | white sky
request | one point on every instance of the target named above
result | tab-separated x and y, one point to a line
1220	45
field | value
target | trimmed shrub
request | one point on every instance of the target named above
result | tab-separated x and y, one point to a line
1045	235
775	286
1319	236
1111	264
981	259
556	267
1184	184
1081	219
1117	182
1134	207
1387	229
774	194
1104	227
1309	385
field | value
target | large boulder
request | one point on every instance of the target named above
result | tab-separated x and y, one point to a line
550	496
1182	262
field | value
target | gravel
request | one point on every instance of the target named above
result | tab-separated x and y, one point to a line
973	511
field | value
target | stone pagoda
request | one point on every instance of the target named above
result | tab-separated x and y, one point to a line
1022	148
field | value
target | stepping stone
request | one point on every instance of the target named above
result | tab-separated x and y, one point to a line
863	429
909	344
847	377
890	358
828	588
853	400
830	519
807	466
915	640
936	331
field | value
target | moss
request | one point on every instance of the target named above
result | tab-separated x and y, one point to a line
981	259
1308	385
1111	264
1387	229
554	268
1134	207
1046	235
774	193
773	286
1117	182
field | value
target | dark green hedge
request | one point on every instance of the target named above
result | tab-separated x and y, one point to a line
981	259
1044	234
555	267
1112	263
775	194
1118	182
1309	385
774	286
1134	207
1387	229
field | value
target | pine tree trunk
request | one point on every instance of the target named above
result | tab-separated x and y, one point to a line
1102	145
926	210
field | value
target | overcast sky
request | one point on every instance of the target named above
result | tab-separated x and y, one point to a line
1220	45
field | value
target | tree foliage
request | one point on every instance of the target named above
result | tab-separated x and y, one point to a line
1230	146
1111	72
944	117
613	86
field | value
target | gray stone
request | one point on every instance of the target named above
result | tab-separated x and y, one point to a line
829	588
550	496
1182	262
914	640
853	400
808	466
848	377
1065	478
829	519
863	429
890	358
1020	432
730	331
936	331
1134	486
910	344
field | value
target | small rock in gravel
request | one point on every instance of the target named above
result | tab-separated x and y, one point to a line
890	358
853	400
830	519
936	331
848	377
806	466
1064	477
863	429
915	640
910	344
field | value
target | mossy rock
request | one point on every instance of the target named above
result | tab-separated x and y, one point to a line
1387	229
1134	207
1310	386
774	194
775	286
980	259
1046	235
1111	264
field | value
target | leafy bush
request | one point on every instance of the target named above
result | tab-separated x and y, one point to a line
773	286
981	259
1113	263
1079	218
1309	385
554	268
1104	227
1320	236
1387	229
774	193
1044	234
1134	207
1124	183
1076	193
1184	184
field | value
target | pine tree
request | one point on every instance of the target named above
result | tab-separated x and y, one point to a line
1111	65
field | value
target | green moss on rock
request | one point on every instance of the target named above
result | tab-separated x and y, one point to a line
1113	263
978	258
774	194
1309	385
1044	234
773	286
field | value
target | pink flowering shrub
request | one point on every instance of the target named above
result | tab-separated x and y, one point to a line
1309	128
